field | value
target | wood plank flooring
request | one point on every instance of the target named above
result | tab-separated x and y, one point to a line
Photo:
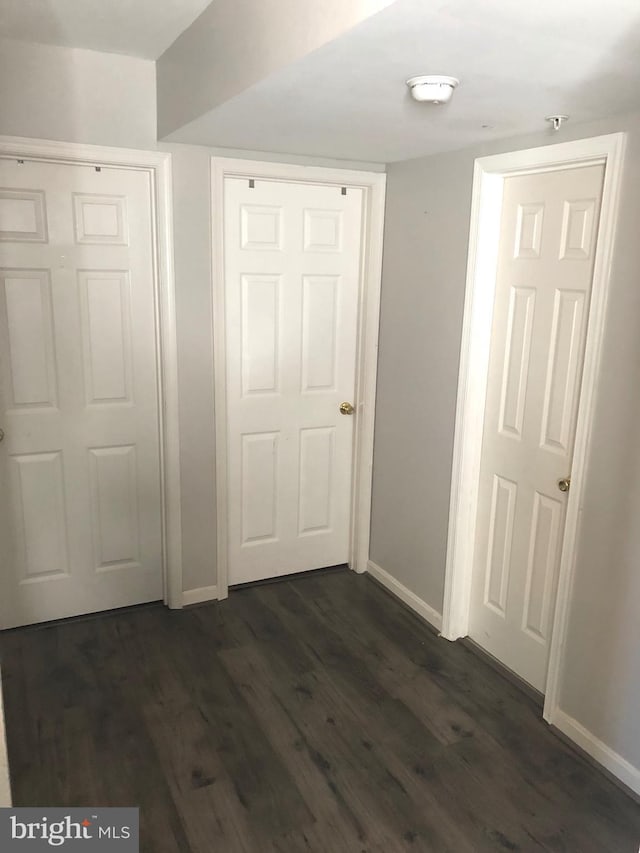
311	714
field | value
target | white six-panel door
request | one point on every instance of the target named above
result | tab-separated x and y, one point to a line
541	310
292	276
80	512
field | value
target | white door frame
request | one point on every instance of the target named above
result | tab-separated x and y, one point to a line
373	185
158	166
486	210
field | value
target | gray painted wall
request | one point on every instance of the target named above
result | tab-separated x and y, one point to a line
424	264
426	241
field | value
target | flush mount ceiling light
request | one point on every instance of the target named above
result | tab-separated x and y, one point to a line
432	88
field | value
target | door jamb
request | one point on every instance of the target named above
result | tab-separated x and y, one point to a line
488	180
373	186
158	166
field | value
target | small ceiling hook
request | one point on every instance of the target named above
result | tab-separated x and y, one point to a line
556	121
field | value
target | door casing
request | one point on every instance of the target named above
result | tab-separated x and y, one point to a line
158	166
373	185
486	211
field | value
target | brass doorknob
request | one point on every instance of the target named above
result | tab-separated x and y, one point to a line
346	409
564	484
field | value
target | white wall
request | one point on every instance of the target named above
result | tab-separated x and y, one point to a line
236	43
106	99
82	96
76	95
192	258
426	239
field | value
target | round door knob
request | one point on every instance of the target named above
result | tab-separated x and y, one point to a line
346	409
1	434
564	484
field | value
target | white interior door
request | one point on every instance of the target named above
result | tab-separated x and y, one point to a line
80	510
292	276
545	269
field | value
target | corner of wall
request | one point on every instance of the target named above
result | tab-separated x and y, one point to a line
428	613
597	749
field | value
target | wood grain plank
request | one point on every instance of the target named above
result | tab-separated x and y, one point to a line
314	714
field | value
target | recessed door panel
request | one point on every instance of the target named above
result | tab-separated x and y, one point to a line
316	472
22	216
100	220
261	228
541	563
106	331
529	230
27	347
564	370
260	333
516	363
39	515
323	230
319	331
503	504
114	500
260	487
578	228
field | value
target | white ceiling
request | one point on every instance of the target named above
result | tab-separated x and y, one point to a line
143	28
517	62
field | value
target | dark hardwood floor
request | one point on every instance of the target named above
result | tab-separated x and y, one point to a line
315	714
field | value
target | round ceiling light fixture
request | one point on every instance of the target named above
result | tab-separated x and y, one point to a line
432	88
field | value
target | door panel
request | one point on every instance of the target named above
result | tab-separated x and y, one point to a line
314	490
260	333
114	491
545	268
79	464
39	515
564	370
319	330
260	504
544	540
106	335
26	326
503	504
292	273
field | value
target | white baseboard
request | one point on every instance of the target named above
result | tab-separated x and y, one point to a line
575	731
199	595
603	754
409	598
